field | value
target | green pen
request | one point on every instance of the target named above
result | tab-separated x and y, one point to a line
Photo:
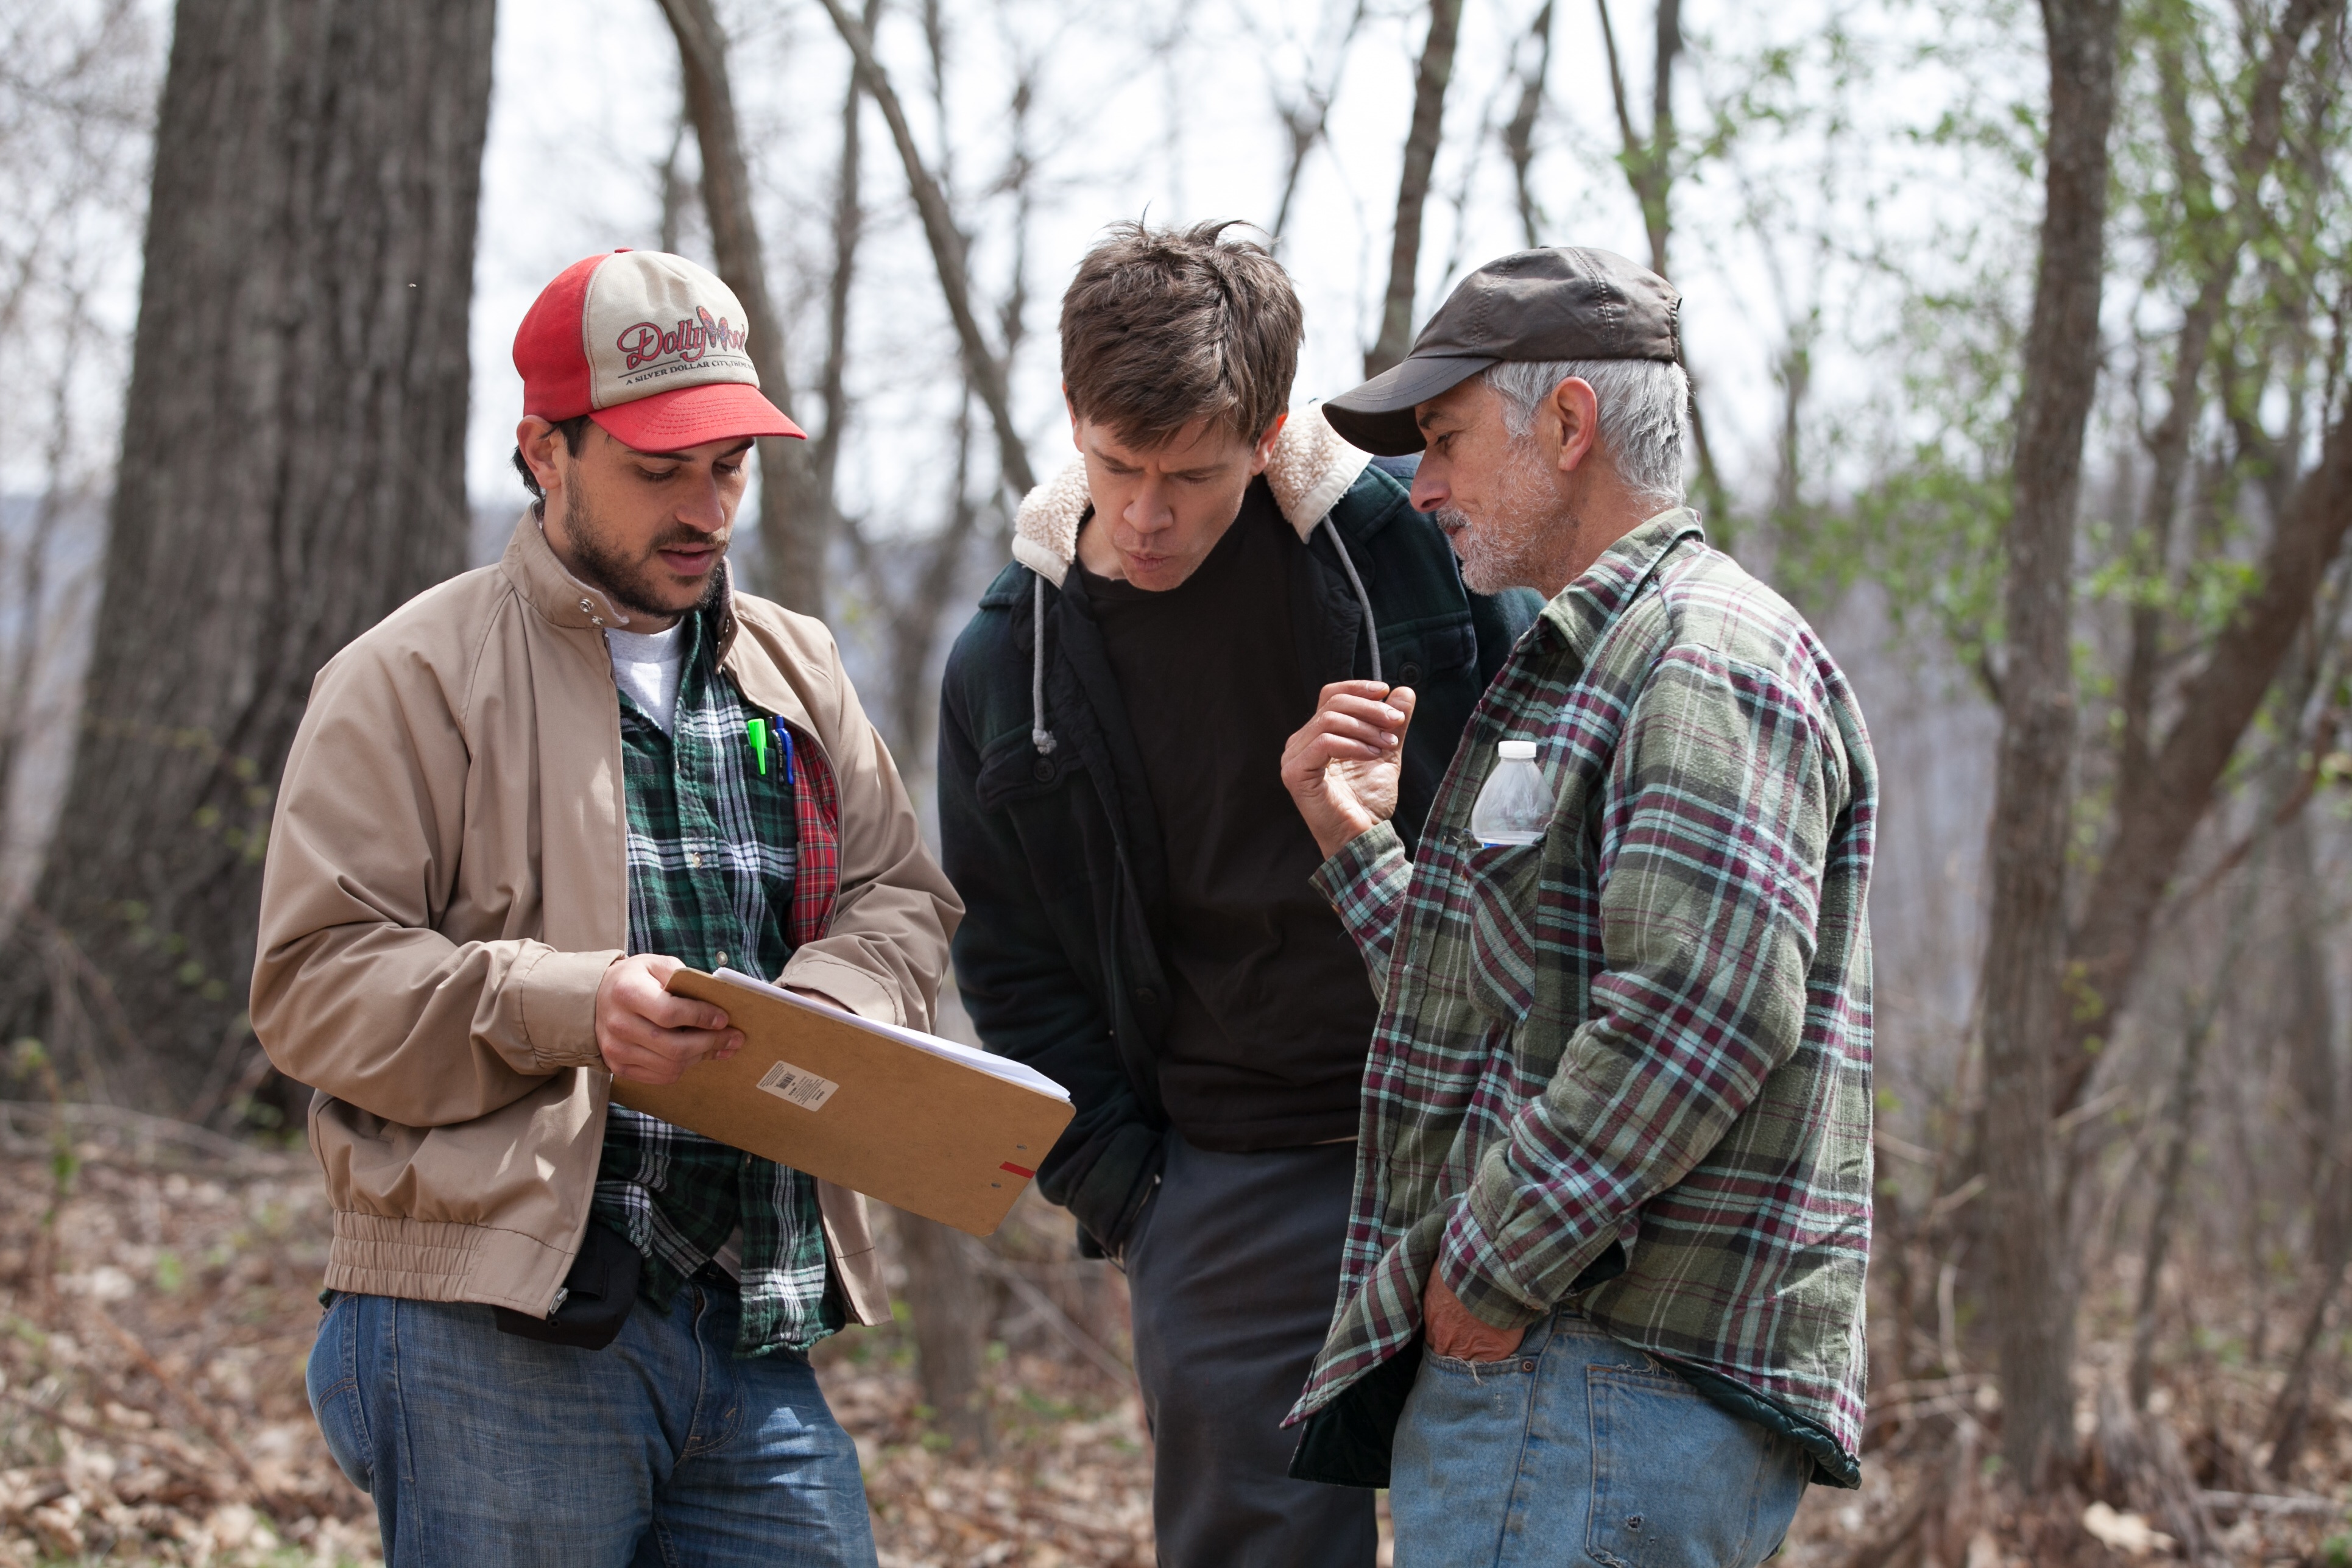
758	729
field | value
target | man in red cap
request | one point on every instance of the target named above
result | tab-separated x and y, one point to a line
559	1331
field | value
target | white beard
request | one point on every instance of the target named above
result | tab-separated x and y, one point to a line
1509	547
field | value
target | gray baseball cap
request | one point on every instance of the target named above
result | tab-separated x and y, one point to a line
1561	303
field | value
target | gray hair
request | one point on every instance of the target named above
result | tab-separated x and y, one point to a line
1644	413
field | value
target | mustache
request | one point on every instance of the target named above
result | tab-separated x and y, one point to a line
1449	520
690	539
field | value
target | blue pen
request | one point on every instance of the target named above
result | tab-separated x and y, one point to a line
761	731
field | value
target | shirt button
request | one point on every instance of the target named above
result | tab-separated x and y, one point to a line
1147	996
586	608
694	858
722	960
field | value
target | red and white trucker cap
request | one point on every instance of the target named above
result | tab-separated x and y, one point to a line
650	346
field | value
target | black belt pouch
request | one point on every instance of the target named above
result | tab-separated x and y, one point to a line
597	1295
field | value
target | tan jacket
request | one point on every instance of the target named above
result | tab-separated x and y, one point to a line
447	883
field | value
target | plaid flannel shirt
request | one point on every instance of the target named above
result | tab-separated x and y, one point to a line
728	868
1628	1065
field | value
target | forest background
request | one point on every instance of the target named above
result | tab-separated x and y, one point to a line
2019	340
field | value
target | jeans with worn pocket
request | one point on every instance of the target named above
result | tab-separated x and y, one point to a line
661	1450
1579	1449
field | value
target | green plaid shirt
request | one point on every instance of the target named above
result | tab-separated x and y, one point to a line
1628	1065
713	855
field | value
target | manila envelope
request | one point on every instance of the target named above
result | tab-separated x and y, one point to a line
906	1118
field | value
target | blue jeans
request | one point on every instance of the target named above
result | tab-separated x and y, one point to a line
661	1450
1582	1450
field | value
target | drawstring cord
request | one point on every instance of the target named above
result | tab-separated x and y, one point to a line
1042	737
1039	735
1371	630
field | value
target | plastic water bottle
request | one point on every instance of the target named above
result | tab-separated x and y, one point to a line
1516	806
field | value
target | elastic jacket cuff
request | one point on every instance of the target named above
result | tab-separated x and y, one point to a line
556	993
855	989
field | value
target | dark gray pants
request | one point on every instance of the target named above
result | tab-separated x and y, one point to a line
1233	1280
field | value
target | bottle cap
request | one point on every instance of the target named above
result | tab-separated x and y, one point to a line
1518	750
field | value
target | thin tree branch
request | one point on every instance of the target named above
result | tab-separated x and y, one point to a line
791	528
1518	136
1661	151
1437	70
1630	138
1306	120
987	372
848	231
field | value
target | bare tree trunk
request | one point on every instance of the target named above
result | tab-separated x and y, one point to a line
1649	164
989	373
1659	173
1794	371
2032	1269
293	467
1649	160
792	527
2163	790
2216	705
1437	70
676	189
2289	1422
1520	135
2168	454
912	585
2310	1033
2179	1123
2179	1117
950	1305
917	615
32	610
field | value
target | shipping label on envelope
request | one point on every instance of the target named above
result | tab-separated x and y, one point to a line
802	1087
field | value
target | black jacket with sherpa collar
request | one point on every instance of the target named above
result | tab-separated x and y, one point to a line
1046	823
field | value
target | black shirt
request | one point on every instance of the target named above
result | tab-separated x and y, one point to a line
1273	1012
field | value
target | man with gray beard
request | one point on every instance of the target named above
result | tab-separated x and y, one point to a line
1603	1284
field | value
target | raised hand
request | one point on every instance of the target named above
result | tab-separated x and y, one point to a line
1341	767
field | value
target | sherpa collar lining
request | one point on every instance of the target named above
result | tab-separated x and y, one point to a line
1311	471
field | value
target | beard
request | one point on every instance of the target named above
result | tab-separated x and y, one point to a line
1510	546
633	580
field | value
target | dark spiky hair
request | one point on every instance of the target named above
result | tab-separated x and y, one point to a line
1163	327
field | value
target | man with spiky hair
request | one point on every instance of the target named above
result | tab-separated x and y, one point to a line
1142	927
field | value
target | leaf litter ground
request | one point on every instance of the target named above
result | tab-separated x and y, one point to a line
152	1343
